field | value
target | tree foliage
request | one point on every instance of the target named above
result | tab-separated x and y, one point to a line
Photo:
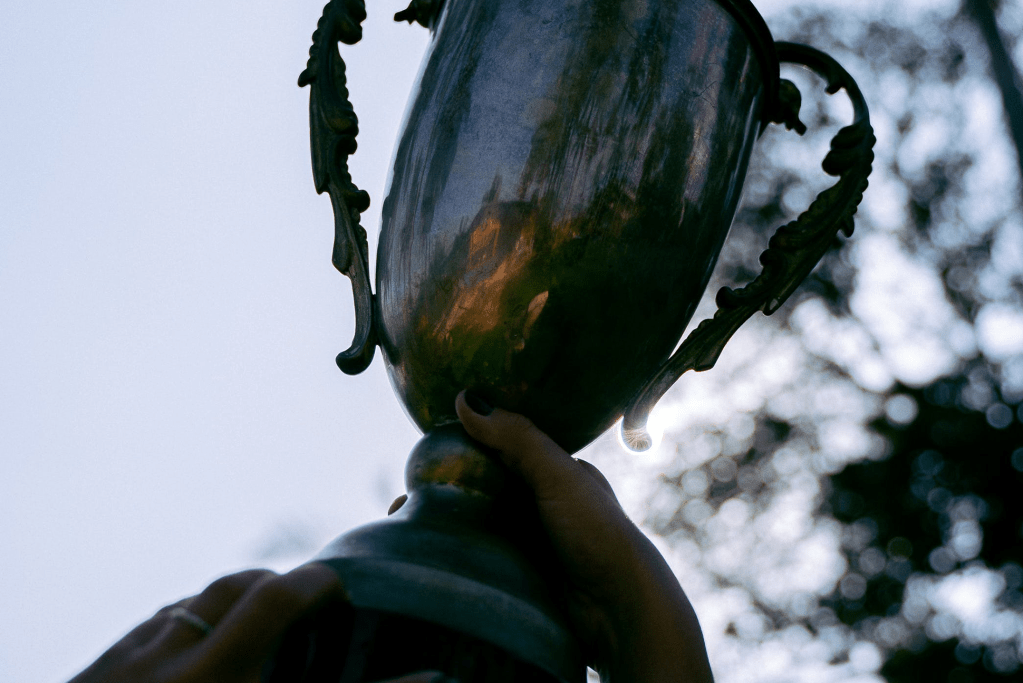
841	492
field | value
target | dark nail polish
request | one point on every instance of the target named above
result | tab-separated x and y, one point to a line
478	405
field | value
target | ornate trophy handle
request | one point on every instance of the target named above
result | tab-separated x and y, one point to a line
794	249
423	12
332	128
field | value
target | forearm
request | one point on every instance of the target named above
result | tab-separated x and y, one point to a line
655	635
665	649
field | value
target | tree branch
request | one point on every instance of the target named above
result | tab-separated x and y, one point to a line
1003	70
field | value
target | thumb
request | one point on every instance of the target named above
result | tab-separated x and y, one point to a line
547	468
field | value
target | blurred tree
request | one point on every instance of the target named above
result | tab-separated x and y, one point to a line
1002	68
847	480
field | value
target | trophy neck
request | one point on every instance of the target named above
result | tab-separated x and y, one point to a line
446	456
467	553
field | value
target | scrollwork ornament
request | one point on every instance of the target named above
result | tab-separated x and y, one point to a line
793	251
333	127
423	12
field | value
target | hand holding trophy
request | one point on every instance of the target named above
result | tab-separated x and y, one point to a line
565	179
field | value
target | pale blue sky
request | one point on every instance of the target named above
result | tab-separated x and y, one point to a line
169	404
168	311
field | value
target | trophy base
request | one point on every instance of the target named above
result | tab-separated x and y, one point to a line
454	580
357	645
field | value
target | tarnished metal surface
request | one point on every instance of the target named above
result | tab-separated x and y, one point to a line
463	552
566	177
794	250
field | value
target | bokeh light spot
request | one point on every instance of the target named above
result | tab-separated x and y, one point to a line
900	547
853	586
901	409
1017	459
998	415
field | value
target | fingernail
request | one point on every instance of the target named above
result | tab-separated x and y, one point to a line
396	505
477	404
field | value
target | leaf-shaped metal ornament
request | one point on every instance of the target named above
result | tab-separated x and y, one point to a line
794	249
423	12
333	127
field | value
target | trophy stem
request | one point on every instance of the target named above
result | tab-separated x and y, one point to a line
456	580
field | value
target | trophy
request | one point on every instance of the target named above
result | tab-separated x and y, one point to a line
564	181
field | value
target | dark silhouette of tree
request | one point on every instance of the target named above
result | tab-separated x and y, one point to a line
1002	68
878	427
945	501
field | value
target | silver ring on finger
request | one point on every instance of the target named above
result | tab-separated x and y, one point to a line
192	619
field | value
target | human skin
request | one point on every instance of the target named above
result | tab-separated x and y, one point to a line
624	603
250	611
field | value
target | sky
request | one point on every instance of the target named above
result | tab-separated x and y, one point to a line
170	410
169	404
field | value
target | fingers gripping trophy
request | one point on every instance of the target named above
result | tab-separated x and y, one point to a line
563	184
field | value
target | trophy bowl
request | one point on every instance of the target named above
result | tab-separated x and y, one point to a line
564	181
566	176
561	190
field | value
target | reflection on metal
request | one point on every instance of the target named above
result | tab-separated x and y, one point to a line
592	152
565	179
